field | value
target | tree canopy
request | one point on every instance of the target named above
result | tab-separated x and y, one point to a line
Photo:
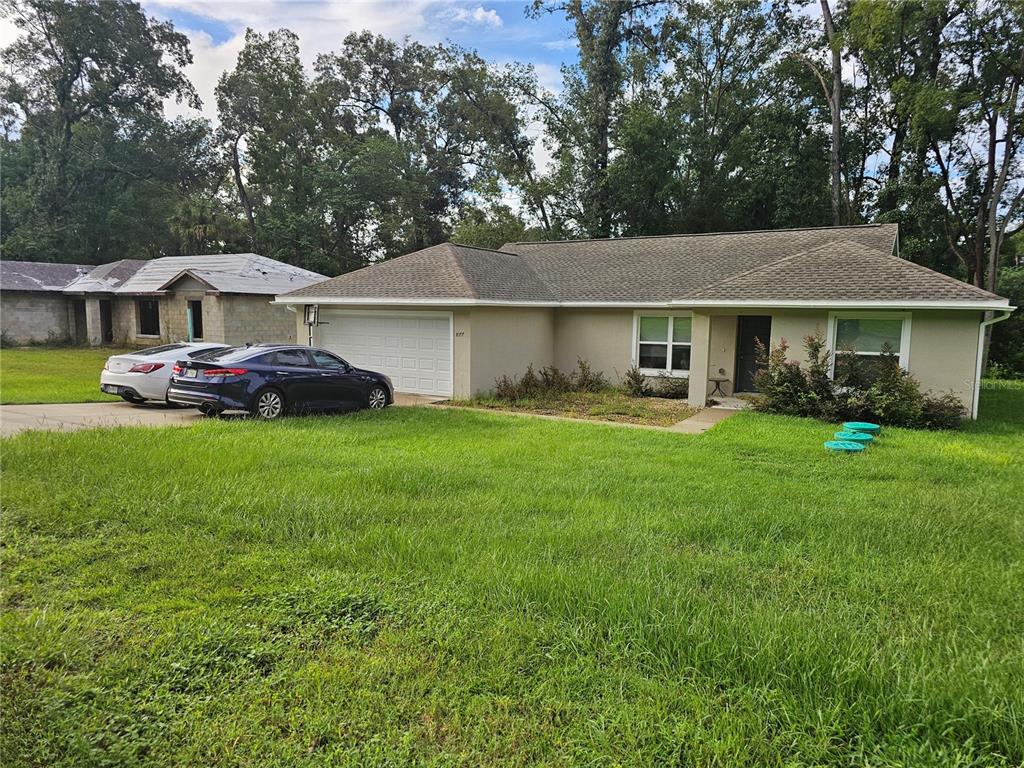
676	116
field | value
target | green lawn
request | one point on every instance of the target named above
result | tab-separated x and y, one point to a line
53	374
450	587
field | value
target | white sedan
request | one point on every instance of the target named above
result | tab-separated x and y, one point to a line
145	375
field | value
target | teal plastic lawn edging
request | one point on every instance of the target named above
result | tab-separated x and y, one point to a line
854	437
844	446
861	426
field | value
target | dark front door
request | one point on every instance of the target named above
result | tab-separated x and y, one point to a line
750	330
106	322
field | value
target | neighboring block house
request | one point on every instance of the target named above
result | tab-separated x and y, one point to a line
449	319
225	297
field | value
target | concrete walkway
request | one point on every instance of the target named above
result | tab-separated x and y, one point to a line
71	416
703	420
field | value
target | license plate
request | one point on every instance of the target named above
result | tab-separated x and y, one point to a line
191	373
110	389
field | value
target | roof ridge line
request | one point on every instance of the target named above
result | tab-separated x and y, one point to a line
754	270
455	256
875	225
479	248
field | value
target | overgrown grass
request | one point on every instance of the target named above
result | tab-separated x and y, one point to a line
53	374
448	587
606	405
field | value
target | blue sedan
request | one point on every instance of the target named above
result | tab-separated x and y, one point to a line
269	380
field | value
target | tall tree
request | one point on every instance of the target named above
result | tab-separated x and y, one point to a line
82	72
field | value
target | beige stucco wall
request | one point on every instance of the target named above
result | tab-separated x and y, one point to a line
503	341
943	345
722	349
944	351
462	354
602	337
28	317
794	325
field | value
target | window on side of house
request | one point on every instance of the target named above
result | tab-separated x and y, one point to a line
196	311
663	344
149	317
867	336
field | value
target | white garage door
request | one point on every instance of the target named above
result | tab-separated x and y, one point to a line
413	348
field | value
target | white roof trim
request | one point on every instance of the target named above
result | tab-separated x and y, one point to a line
980	304
850	303
323	300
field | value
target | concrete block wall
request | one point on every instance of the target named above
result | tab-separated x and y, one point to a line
35	316
255	319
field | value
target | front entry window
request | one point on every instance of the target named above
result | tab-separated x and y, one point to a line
663	344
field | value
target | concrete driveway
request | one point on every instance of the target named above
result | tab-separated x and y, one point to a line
69	416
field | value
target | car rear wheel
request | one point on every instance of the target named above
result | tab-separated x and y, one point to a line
269	404
377	398
132	399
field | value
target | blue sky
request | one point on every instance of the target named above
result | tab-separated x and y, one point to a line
499	31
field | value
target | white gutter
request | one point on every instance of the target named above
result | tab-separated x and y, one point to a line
988	305
1006	312
985	304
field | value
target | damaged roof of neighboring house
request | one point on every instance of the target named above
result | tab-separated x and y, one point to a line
38	275
826	264
225	273
106	278
441	272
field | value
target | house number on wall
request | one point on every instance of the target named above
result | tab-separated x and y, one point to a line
460	333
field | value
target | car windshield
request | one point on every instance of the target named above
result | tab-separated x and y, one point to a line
206	354
157	350
232	354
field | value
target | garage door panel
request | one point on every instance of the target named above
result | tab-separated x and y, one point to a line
415	351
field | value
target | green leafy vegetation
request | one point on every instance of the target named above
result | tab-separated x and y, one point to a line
875	389
674	117
449	587
53	374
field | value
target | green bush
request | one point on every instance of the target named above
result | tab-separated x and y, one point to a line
550	381
635	384
671	388
879	391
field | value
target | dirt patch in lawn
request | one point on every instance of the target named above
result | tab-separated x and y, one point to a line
593	406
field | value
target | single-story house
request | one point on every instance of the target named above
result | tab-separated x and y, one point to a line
449	319
223	297
33	308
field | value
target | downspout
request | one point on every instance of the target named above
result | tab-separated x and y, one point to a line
1003	315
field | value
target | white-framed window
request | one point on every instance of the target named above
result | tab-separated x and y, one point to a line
662	343
866	334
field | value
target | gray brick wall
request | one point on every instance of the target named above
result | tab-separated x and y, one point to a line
254	318
34	316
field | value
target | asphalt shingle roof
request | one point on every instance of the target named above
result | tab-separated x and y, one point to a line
38	275
446	271
843	271
668	267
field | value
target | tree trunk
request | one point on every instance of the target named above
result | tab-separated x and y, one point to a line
835	103
243	196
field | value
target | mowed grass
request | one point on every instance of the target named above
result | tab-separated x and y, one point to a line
449	587
53	374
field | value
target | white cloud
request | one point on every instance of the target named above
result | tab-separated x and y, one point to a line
478	15
320	25
565	44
